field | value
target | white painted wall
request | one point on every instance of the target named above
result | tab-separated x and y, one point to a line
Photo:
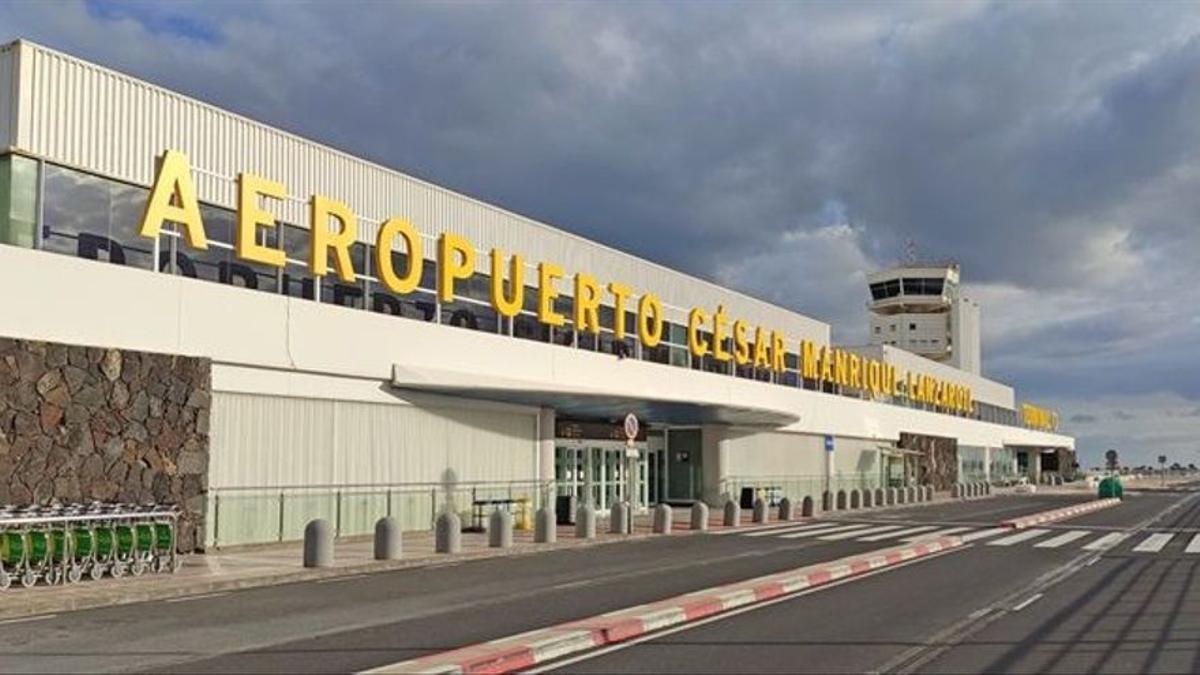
65	299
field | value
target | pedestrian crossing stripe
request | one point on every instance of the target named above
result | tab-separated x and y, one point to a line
815	533
1154	543
1023	535
855	533
901	533
1044	538
1062	539
1106	542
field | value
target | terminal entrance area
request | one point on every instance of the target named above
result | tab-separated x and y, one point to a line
592	463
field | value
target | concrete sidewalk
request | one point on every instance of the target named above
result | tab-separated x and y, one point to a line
272	564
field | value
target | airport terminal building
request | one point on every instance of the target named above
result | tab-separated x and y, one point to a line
204	310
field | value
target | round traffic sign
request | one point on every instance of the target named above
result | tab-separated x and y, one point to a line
631	426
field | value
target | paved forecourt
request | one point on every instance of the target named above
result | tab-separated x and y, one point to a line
362	622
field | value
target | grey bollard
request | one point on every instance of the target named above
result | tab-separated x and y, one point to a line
618	518
760	510
733	514
868	498
902	495
662	519
880	500
786	510
387	539
447	533
891	496
500	529
585	522
855	499
928	493
912	494
957	491
318	543
987	488
545	526
841	500
700	516
806	507
827	501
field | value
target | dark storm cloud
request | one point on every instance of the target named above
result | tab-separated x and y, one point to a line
781	148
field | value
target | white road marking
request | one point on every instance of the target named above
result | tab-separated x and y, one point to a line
1106	542
940	533
335	580
814	533
850	535
771	532
984	534
202	596
1024	535
1064	538
27	619
1193	545
1154	543
1027	602
901	533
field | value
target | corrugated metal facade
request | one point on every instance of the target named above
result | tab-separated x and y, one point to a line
277	462
81	115
281	441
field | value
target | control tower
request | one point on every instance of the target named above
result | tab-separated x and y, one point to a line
919	307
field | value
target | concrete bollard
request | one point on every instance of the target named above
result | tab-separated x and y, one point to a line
585	522
387	539
700	516
318	543
447	533
786	510
928	493
891	496
662	519
902	495
733	514
868	498
841	500
880	499
806	507
827	501
500	529
759	515
912	494
855	499
957	491
545	526
987	488
618	518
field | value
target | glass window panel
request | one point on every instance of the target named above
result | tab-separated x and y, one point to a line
18	201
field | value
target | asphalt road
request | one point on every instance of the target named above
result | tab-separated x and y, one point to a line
995	607
360	622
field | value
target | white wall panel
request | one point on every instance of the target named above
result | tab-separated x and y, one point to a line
284	441
8	93
95	119
775	454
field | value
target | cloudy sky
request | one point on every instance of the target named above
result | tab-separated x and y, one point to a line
783	149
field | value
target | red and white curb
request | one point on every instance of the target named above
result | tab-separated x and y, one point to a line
1059	514
546	644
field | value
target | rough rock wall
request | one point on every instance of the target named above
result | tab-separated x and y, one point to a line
938	463
87	423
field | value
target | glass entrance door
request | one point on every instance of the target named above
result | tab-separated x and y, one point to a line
594	472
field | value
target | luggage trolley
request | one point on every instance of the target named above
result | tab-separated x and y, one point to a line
59	544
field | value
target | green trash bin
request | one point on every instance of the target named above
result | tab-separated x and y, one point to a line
1111	488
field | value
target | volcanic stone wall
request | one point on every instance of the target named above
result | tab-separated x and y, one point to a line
87	423
938	463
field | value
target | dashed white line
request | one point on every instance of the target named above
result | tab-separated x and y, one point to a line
202	596
814	533
27	619
901	533
1027	602
1023	535
1193	545
1106	542
854	533
1060	540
